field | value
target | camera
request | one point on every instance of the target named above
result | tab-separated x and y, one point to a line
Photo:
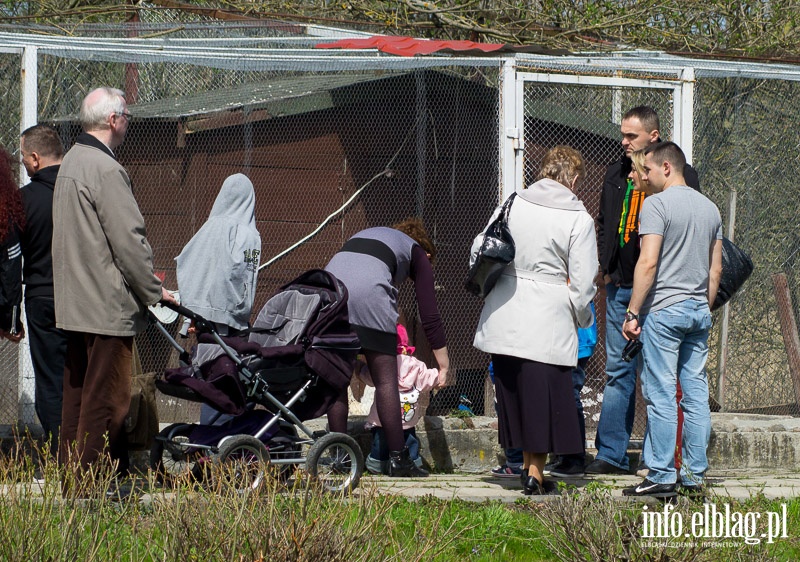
631	350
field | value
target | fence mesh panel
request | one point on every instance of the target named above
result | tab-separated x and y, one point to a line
329	153
337	143
10	397
584	117
745	160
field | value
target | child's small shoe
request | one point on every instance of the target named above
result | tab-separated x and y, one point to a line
375	466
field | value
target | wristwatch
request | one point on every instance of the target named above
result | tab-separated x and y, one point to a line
631	316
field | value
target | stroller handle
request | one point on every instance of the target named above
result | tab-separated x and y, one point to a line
179	309
200	323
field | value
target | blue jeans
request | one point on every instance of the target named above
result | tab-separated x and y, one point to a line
380	448
514	457
619	398
578	379
675	350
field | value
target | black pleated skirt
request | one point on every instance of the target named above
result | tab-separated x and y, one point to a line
535	406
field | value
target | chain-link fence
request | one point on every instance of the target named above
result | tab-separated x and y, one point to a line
558	114
741	119
338	141
331	148
746	156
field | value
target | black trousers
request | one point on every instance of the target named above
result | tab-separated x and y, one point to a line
48	348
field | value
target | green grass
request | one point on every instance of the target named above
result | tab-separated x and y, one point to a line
301	523
484	532
203	527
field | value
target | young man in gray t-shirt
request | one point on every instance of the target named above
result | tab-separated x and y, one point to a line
675	281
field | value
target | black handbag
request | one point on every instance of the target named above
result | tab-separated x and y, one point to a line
497	251
736	268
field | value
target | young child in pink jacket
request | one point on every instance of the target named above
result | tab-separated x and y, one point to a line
415	381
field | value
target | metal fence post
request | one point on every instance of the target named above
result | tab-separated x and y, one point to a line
29	117
722	354
683	113
510	135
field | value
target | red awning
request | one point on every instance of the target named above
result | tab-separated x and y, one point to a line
409	46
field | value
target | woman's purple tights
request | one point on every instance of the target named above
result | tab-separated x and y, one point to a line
383	370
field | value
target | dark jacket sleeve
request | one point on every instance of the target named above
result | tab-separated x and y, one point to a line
600	221
690	175
10	283
422	274
601	237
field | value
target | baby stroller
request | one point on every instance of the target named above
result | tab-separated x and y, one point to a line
287	369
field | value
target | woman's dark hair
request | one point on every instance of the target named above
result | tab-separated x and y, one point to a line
415	228
12	212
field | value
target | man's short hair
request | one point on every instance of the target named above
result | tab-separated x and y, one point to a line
646	115
667	152
44	140
98	105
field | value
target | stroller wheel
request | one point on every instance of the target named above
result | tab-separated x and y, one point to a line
336	461
171	459
245	461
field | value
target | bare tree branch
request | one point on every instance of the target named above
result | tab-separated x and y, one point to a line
747	27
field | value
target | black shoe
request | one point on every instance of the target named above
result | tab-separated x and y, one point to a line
401	465
650	489
420	472
532	487
551	465
567	469
599	466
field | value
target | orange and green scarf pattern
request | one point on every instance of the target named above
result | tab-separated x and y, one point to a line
629	220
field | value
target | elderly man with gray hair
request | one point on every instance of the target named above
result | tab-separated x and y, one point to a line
103	281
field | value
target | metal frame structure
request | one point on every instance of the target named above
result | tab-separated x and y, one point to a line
620	70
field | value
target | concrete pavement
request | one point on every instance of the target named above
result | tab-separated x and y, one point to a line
484	487
480	487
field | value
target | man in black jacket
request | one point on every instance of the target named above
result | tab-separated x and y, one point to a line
618	248
42	152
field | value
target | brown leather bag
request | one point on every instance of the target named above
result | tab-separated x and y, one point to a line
141	423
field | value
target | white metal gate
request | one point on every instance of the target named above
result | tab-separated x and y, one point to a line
580	103
675	84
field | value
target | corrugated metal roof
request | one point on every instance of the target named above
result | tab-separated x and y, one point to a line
574	118
283	97
295	95
278	97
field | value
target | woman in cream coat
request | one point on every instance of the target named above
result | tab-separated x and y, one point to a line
530	318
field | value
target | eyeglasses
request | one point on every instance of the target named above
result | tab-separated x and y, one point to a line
126	115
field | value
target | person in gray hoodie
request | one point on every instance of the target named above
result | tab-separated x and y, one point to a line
217	270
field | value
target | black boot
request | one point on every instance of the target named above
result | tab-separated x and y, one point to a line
401	465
